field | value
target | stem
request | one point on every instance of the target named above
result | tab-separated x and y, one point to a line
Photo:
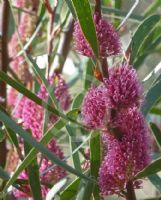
3	67
130	191
104	65
98	6
64	46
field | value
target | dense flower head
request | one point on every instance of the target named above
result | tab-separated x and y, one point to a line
32	114
93	108
14	47
26	3
60	91
21	69
108	39
125	157
11	97
26	25
21	3
51	176
123	87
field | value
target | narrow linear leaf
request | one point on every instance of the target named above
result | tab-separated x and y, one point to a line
33	174
4	175
157	133
25	135
140	35
156	181
155	111
44	80
73	146
95	155
153	168
71	8
151	98
121	14
28	159
56	188
84	15
11	134
155	198
152	8
71	190
88	75
84	190
45	139
77	101
19	87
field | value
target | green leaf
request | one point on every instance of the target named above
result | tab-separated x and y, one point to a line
84	190
155	198
88	75
45	82
2	134
153	168
156	181
77	101
33	174
73	146
84	15
152	8
107	11
25	135
71	190
157	133
148	46
12	136
19	87
141	34
71	8
56	188
151	98
4	175
155	111
95	155
28	159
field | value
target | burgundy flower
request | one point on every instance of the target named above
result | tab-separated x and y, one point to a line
51	176
125	157
108	39
93	108
123	87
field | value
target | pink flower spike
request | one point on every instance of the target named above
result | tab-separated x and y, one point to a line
123	87
125	158
108	39
93	108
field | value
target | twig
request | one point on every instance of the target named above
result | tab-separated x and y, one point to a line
25	10
52	13
128	14
64	45
3	67
98	6
130	191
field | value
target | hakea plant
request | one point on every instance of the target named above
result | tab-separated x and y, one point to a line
110	109
31	116
113	107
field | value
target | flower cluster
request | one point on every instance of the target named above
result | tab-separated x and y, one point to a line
108	38
31	115
18	64
113	107
51	176
126	157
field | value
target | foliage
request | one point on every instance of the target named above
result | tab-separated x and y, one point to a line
44	46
